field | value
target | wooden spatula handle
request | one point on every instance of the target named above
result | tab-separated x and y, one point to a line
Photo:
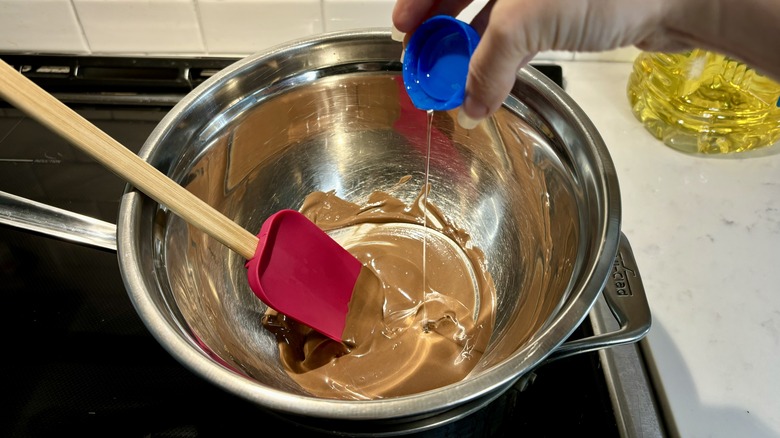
46	109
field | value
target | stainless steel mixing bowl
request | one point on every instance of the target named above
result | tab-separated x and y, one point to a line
534	187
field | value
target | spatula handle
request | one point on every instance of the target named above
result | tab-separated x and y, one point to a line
49	111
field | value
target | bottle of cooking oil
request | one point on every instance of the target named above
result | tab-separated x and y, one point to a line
703	102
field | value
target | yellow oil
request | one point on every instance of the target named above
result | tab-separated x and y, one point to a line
703	102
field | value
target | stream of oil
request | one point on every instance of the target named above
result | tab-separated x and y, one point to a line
426	190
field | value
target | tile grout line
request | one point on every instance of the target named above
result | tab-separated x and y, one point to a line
201	32
82	32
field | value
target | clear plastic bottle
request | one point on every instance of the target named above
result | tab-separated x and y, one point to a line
703	102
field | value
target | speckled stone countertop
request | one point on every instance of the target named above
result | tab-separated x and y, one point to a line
706	236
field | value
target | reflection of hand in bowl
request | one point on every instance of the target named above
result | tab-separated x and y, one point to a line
412	123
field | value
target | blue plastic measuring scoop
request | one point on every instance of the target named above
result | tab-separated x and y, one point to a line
436	62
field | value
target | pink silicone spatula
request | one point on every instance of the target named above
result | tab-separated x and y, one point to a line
295	255
293	266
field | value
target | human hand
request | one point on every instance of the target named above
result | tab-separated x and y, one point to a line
514	31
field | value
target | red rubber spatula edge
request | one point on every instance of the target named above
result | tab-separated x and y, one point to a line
301	272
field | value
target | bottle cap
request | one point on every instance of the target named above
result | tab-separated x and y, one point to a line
436	62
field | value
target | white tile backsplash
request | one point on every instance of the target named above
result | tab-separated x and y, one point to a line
247	26
40	26
356	14
200	27
140	26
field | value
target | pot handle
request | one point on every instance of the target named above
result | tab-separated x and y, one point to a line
626	298
29	215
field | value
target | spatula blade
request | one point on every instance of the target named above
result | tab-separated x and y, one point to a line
301	272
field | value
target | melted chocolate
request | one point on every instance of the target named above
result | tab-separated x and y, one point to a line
401	337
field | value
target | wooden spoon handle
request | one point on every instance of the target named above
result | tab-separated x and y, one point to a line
46	109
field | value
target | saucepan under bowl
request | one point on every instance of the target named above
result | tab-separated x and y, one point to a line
533	186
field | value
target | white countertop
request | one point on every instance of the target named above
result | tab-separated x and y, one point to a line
706	235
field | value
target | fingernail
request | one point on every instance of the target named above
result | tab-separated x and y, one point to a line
403	52
397	35
467	122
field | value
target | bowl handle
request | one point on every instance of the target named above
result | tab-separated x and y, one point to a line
30	215
625	296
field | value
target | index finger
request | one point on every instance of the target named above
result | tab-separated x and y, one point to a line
408	14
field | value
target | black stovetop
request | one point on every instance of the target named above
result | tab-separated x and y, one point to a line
79	360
